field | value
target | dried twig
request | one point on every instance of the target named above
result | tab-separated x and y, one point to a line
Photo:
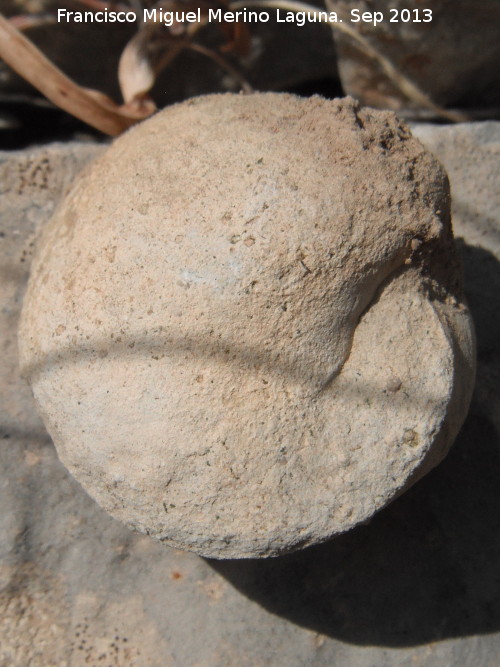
209	53
91	106
27	21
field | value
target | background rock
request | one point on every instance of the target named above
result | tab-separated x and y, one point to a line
454	59
417	586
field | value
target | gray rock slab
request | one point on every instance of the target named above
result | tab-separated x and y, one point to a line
453	57
470	154
418	585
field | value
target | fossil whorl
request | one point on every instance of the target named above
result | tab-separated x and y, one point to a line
245	326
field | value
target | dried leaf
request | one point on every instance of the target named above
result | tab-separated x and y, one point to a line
135	71
156	45
90	106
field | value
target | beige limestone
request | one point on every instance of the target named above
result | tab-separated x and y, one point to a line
245	328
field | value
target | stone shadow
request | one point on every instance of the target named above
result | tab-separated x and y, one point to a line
427	567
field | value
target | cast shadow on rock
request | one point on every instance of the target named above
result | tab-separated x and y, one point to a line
427	567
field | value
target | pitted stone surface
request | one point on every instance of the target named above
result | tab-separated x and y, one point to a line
245	328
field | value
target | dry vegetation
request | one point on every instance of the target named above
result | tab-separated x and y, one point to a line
154	47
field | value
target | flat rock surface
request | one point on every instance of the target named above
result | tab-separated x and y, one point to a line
418	585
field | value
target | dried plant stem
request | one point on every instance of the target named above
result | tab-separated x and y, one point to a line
90	106
242	82
26	21
406	86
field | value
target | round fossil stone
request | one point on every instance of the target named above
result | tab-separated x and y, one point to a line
245	328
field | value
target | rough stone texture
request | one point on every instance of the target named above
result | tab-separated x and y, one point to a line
414	587
240	352
454	59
